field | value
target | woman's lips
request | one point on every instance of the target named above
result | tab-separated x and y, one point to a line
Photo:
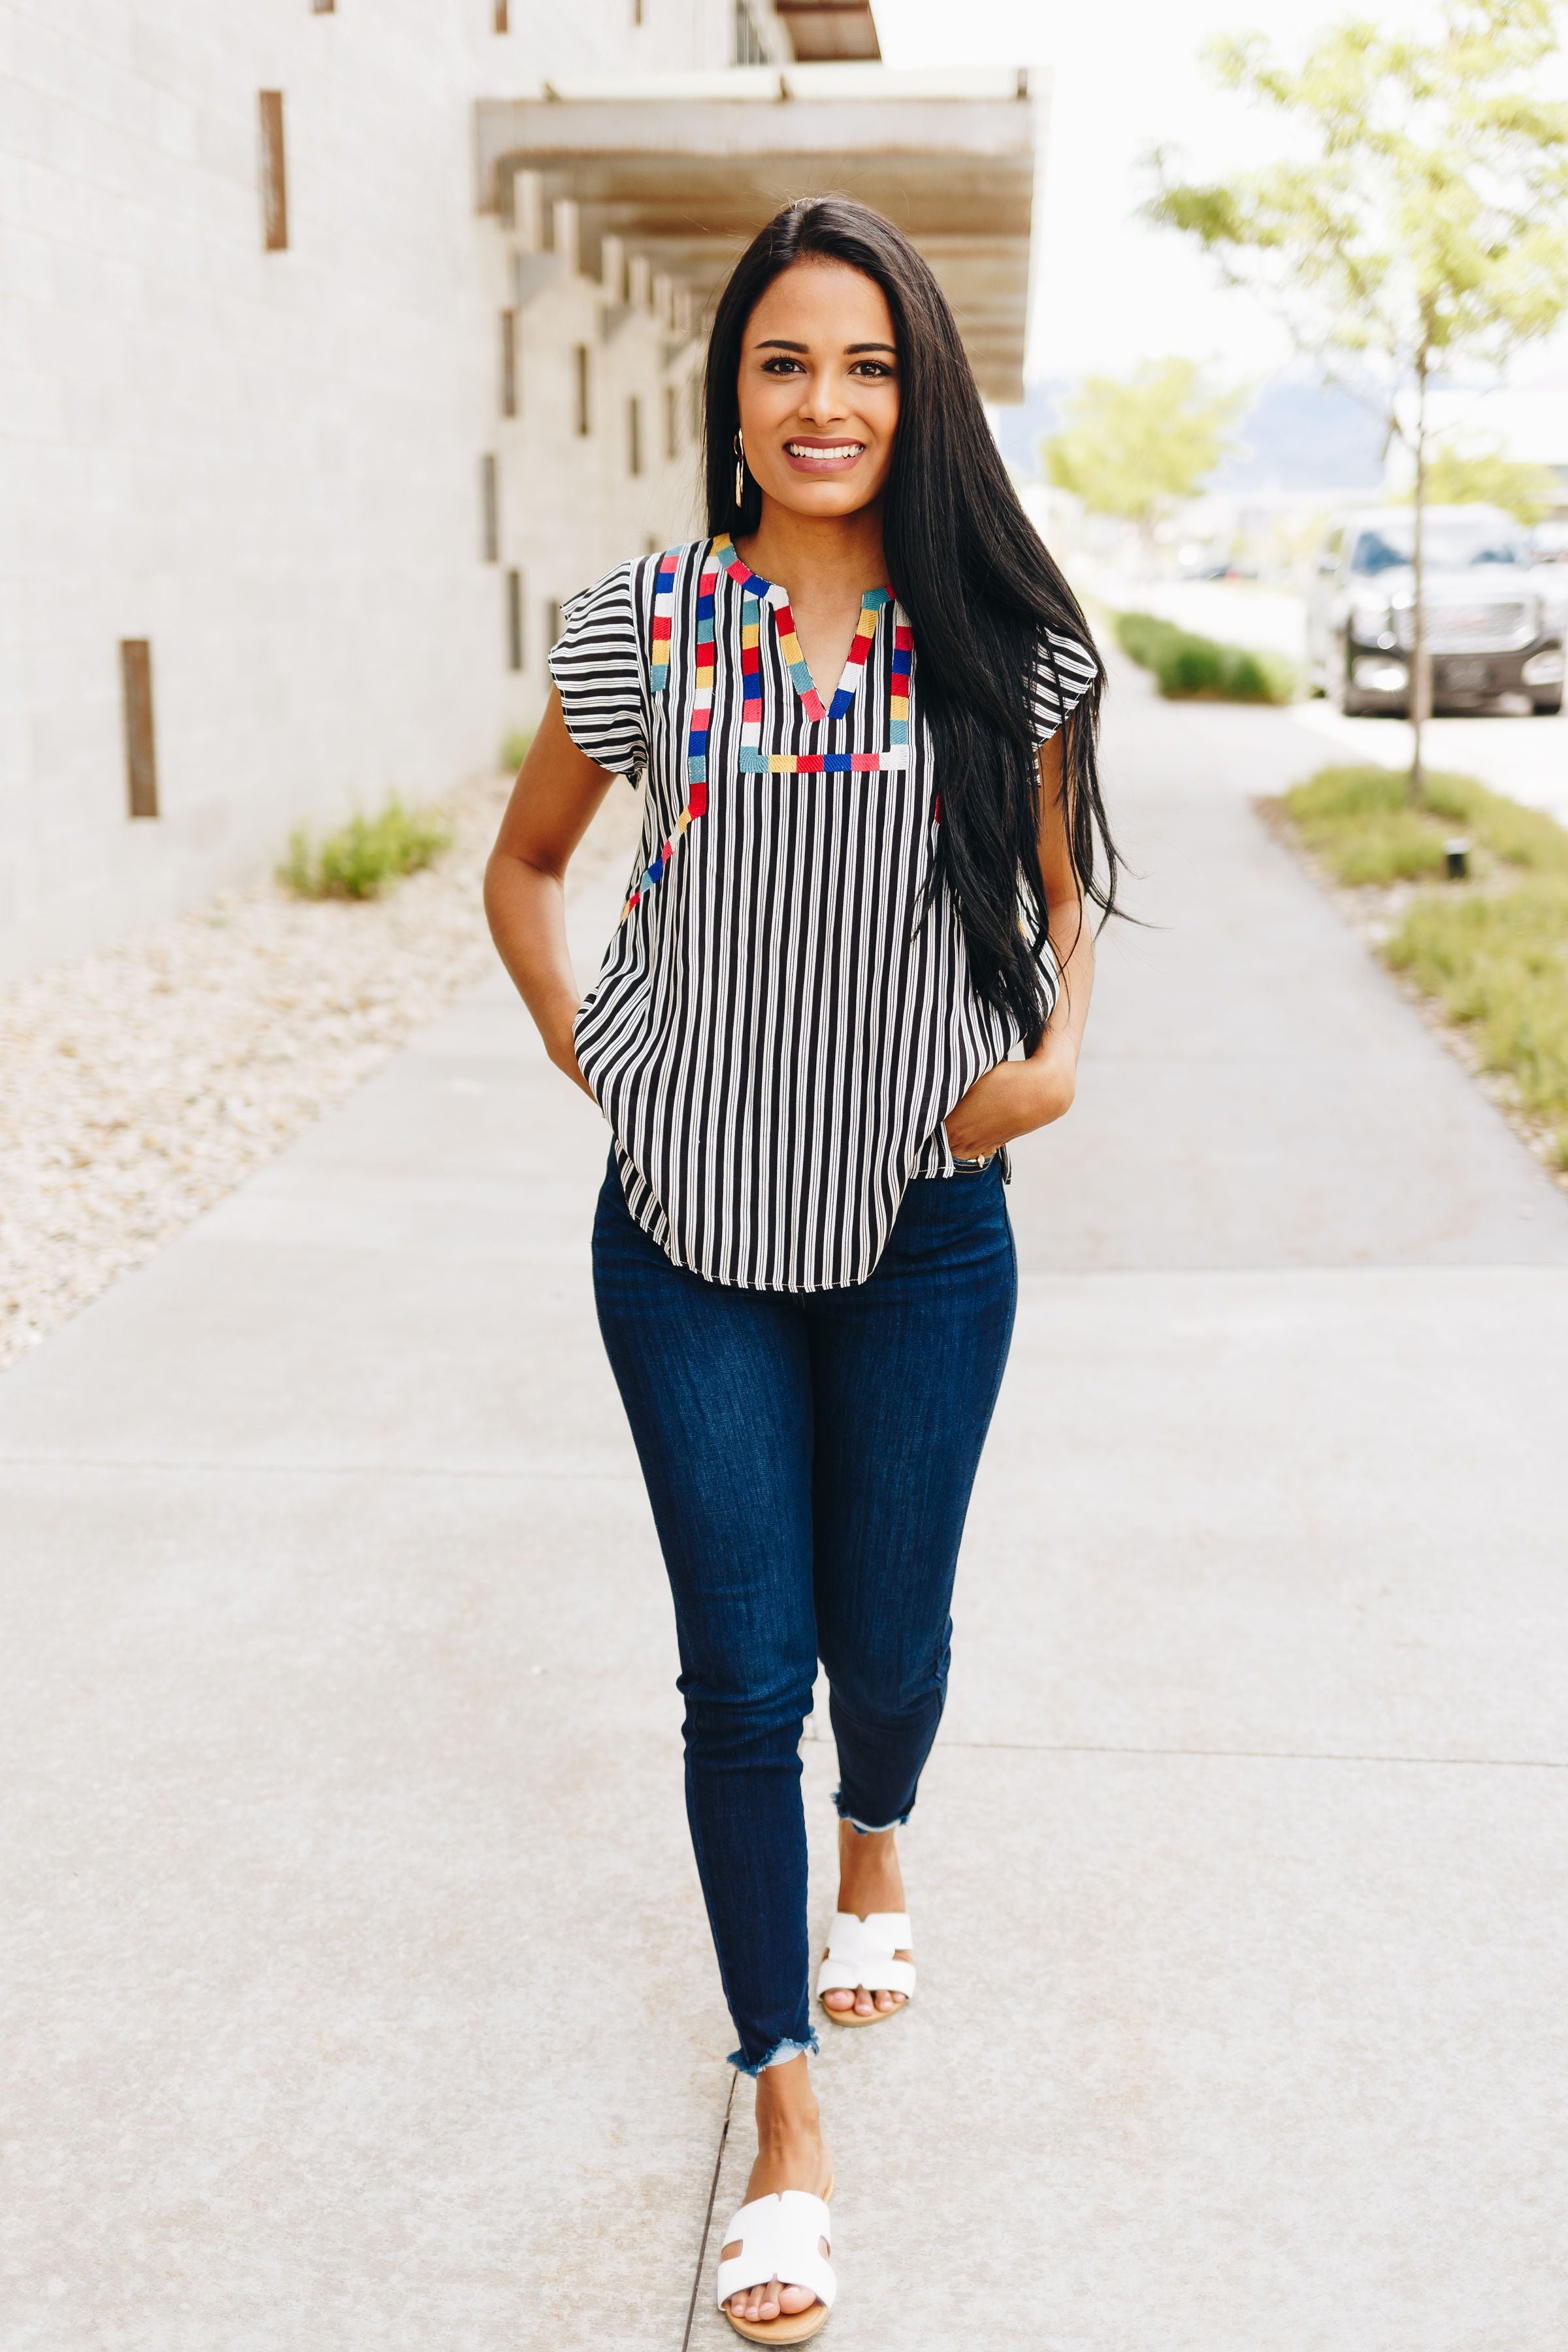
824	456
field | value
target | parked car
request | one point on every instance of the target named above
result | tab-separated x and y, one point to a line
1495	624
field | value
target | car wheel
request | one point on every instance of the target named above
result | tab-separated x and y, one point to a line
1549	706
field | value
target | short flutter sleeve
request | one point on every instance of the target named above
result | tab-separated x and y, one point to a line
600	674
1064	671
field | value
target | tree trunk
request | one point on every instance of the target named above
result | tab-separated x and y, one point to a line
1420	664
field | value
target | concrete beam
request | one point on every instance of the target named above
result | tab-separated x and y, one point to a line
686	177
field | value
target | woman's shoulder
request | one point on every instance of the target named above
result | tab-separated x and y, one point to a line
631	585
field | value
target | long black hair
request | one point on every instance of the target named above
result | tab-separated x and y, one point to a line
980	590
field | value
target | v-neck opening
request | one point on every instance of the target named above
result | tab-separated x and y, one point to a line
873	604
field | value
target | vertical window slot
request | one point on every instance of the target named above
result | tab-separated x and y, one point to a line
274	176
508	362
671	421
514	645
140	758
634	435
583	364
489	501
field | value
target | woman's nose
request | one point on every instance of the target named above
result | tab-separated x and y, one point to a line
821	401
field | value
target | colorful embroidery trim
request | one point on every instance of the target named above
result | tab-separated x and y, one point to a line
759	591
899	689
696	806
822	764
663	618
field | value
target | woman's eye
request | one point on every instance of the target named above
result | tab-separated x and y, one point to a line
780	365
871	367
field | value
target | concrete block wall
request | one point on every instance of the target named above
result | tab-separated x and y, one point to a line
269	464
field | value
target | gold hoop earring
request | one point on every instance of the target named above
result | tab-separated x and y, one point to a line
740	470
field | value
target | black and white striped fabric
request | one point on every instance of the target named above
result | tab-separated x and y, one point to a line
778	1032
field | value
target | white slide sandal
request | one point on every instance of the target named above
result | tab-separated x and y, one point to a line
780	2237
861	1952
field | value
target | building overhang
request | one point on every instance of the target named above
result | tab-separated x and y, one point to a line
680	174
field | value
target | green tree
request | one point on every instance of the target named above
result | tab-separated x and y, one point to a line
1419	217
1464	475
1133	447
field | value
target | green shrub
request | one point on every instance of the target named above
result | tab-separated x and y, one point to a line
1187	667
363	856
513	750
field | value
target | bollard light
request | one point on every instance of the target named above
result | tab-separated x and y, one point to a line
1457	854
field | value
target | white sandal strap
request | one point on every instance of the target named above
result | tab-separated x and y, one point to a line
861	1952
780	2237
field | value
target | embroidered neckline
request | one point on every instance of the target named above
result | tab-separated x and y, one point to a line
757	592
767	592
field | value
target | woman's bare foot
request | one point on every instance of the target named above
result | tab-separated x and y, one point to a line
789	2155
870	1880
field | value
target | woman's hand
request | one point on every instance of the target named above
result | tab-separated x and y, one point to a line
1015	1098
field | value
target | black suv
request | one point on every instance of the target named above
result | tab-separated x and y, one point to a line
1494	622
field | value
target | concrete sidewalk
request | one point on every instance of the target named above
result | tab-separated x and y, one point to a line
356	1990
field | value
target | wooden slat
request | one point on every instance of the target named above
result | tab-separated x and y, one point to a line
274	176
141	757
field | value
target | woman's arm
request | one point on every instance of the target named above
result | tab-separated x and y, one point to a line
1017	1096
552	804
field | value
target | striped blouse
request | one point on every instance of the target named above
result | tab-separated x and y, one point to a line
778	1030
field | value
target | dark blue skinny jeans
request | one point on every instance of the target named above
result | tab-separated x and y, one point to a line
809	1457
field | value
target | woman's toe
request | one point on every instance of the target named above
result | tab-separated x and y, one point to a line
839	2000
795	2298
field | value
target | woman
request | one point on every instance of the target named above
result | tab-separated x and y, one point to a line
852	967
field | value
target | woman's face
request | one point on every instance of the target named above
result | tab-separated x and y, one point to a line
819	389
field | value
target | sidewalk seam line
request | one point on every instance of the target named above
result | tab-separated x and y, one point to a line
708	2217
236	1464
1259	1755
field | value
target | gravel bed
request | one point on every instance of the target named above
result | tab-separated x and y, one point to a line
144	1082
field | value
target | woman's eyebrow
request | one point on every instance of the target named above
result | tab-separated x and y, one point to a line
779	343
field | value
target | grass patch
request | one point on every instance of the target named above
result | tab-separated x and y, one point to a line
362	856
1363	824
513	750
1191	668
1498	963
1492	952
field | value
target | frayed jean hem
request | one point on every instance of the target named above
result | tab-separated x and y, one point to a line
866	1829
779	2055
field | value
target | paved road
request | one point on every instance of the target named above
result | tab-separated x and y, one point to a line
355	1991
